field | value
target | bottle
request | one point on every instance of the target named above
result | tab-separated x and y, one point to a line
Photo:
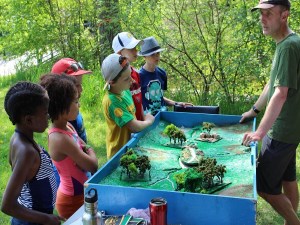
91	216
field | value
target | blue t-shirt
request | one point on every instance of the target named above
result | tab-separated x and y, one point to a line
153	85
79	127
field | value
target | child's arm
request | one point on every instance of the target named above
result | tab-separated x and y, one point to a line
170	102
61	146
137	125
22	166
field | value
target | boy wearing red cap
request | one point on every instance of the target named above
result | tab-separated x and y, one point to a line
70	67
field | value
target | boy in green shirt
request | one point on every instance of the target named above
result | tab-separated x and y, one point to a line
118	106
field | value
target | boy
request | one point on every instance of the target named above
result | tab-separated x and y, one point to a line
118	106
70	67
154	79
125	44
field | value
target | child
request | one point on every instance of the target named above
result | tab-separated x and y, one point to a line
125	44
154	79
31	190
68	152
70	67
118	105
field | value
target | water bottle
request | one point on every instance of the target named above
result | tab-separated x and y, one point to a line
91	216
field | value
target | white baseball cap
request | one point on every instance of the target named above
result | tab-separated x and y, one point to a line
111	66
124	40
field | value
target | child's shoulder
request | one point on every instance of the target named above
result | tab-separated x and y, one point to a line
161	70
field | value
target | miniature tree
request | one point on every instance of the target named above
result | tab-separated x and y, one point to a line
180	136
143	164
174	133
135	164
169	131
189	180
207	126
179	178
209	168
220	171
193	180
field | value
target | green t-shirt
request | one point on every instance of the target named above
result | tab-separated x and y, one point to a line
118	111
285	72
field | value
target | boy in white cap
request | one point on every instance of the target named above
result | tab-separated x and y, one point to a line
154	79
118	106
125	44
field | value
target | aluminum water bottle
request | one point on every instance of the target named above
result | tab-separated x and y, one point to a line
91	216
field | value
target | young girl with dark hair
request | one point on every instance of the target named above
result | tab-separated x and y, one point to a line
71	156
31	190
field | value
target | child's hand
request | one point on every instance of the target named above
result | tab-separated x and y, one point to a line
184	104
150	118
54	220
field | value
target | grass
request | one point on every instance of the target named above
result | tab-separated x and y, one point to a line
95	126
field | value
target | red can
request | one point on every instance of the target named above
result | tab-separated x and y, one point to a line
158	211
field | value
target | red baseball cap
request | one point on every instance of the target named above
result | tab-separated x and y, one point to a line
70	67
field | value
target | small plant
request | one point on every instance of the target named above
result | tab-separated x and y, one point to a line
174	133
209	168
190	180
201	178
133	164
206	136
208	126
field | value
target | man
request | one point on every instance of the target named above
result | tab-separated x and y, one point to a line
70	67
279	128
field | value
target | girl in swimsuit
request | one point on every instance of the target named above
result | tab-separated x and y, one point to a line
30	194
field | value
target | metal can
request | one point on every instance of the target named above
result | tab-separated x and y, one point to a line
158	211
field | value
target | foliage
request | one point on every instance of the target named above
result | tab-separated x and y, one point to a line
135	164
200	178
67	28
190	180
174	133
209	168
214	49
207	126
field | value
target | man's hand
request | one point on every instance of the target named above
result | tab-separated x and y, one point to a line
246	116
251	137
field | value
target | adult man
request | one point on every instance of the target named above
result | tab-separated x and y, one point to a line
279	128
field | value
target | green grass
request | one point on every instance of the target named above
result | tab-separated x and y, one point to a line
95	126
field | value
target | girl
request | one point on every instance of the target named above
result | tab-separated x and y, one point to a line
69	153
31	190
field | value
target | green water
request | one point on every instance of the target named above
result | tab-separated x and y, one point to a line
164	158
